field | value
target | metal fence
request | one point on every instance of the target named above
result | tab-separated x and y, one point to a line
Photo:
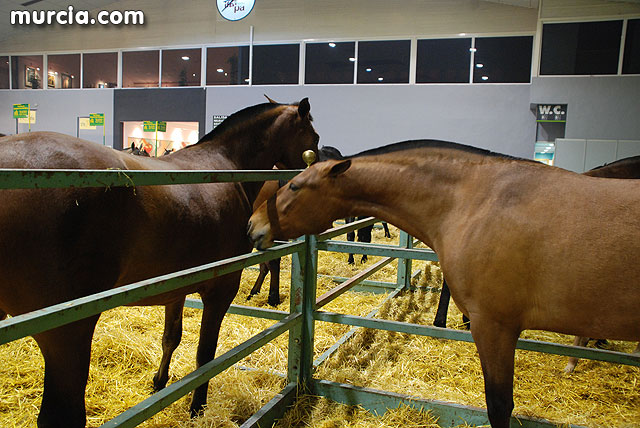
299	321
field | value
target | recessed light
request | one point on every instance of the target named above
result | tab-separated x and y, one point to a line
186	58
332	45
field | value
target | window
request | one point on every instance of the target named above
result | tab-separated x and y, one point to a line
329	62
100	70
4	72
26	72
140	69
443	61
631	62
64	71
384	62
581	48
181	67
502	60
228	65
276	64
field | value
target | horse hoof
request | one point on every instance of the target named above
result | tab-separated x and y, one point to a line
273	303
158	385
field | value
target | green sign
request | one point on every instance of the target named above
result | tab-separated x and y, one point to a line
149	126
96	119
162	126
20	111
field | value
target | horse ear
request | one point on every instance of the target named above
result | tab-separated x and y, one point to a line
304	107
339	168
270	100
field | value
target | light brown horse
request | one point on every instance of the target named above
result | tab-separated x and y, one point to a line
61	244
522	245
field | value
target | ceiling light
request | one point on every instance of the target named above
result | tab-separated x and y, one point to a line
485	77
194	74
473	50
332	45
380	79
479	65
352	59
186	58
368	70
462	34
220	70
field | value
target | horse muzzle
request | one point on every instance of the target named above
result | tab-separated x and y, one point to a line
260	235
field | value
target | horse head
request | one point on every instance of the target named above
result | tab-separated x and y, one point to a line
288	214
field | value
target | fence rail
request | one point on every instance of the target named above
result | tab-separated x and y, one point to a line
300	321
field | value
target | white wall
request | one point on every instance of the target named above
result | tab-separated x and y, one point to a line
355	118
197	22
58	109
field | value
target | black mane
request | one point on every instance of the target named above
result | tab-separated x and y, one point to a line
237	118
434	144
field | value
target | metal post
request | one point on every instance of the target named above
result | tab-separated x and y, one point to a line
404	265
303	298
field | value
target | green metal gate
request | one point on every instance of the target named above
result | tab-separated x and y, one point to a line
299	321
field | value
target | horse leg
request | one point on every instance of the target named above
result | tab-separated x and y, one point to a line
577	341
364	235
496	347
264	270
67	352
170	341
216	300
443	306
274	286
387	234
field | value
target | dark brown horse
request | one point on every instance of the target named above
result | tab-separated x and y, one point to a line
60	244
522	245
628	168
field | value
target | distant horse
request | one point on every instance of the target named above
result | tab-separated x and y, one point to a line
624	168
136	150
273	266
61	244
522	245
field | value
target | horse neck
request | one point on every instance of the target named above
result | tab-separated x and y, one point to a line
388	187
247	148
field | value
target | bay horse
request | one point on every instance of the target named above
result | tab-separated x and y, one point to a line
61	244
523	245
628	168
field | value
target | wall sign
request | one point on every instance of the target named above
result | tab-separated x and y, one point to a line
551	113
96	119
20	111
235	10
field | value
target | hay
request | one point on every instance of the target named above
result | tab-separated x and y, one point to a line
127	349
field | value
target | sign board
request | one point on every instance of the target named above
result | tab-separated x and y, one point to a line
31	118
85	123
20	111
551	113
149	126
235	10
162	126
96	119
217	120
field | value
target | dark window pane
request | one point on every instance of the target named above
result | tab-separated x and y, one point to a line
384	62
140	69
502	60
100	70
581	48
181	67
631	62
64	71
276	64
228	65
443	61
26	72
4	72
329	62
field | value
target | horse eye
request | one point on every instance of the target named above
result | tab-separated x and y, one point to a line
293	187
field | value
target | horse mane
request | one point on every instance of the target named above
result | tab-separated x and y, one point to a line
634	160
236	119
435	144
240	117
